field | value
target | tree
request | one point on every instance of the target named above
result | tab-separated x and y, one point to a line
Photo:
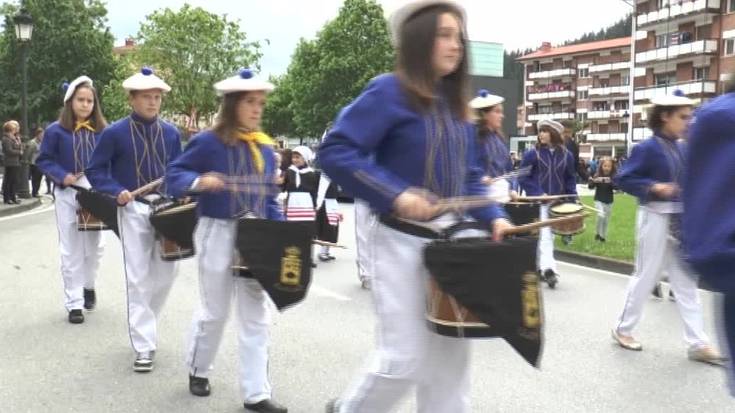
70	39
192	49
328	72
112	95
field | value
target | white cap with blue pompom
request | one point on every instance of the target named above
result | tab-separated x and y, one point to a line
485	99
678	98
145	80
244	81
70	88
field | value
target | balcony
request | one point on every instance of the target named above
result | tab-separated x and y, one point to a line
551	116
610	67
677	10
607	114
672	52
689	88
641	133
606	137
549	74
609	90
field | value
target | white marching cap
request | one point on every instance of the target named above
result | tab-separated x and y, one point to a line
399	17
145	80
70	88
552	124
485	100
678	98
305	152
244	81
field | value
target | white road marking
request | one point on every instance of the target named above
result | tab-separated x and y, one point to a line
323	292
34	211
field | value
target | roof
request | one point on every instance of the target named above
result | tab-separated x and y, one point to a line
578	48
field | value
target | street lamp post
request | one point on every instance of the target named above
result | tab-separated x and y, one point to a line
23	33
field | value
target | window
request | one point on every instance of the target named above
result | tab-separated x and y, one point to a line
729	46
584	73
664	79
731	6
663	40
582	95
599	106
582	117
621	105
662	3
625	80
701	73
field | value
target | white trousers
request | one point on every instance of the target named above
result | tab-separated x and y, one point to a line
656	252
603	217
149	278
545	250
408	355
81	251
363	220
215	240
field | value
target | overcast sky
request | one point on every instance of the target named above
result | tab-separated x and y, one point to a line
514	23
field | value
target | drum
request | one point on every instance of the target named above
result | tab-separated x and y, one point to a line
278	255
97	211
572	227
174	224
481	288
88	222
522	213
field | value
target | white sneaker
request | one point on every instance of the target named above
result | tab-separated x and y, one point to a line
143	362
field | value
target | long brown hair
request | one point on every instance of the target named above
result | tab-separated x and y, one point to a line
604	159
226	125
414	62
482	128
556	139
68	120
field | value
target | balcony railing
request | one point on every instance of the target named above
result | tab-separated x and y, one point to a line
606	114
548	74
609	67
689	88
674	51
676	10
604	137
609	90
551	116
551	95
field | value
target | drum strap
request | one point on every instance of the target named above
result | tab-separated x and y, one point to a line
408	228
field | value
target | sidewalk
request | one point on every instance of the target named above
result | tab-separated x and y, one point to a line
25	203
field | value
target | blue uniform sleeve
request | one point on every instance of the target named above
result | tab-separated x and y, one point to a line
47	159
708	222
186	167
357	132
570	175
475	187
98	170
530	182
634	176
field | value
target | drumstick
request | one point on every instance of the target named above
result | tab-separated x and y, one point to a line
546	197
545	223
327	244
147	187
592	209
513	174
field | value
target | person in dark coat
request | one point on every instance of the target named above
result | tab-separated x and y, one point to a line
12	151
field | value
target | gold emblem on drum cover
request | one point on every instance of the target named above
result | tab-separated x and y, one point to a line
530	301
291	267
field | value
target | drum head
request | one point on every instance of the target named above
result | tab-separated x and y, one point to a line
566	208
177	223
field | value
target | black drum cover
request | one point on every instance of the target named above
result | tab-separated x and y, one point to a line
100	205
521	213
178	227
278	255
497	281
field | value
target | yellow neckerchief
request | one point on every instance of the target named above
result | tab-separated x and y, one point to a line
84	125
253	139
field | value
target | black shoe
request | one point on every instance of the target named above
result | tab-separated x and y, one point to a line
76	317
671	295
199	386
331	257
603	239
313	265
323	257
598	238
551	278
657	292
541	276
332	406
266	406
143	362
90	299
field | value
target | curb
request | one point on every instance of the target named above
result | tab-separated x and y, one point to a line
25	206
601	263
607	264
